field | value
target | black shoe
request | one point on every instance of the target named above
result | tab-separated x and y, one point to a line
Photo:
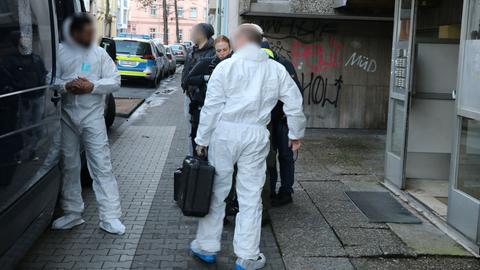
282	198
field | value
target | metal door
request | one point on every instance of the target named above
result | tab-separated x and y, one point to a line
400	88
464	193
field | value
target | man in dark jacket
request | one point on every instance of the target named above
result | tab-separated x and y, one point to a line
195	91
279	137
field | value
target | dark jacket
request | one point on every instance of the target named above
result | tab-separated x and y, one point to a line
194	55
217	61
277	112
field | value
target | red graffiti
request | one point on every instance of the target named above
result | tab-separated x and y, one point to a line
317	57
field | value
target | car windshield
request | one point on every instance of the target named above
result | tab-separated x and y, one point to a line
176	47
133	47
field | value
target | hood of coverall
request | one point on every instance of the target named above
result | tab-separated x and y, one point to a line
251	52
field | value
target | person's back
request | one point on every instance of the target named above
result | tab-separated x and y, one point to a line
242	92
252	75
254	82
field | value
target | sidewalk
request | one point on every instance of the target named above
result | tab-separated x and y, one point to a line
146	151
323	229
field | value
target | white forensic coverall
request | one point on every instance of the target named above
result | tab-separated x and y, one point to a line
83	123
241	94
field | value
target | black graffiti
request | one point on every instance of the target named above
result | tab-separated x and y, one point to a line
316	86
278	48
307	31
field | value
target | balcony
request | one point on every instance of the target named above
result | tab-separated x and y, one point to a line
380	10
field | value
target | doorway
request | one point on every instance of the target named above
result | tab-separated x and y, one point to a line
436	49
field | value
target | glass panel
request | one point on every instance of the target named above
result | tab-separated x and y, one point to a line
468	179
132	47
25	46
25	63
469	96
398	127
405	20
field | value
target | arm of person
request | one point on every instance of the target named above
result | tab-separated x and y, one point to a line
292	106
212	109
196	76
293	73
109	78
61	84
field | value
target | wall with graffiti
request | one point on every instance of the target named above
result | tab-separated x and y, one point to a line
343	67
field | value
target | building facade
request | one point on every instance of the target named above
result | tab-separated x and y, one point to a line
149	20
122	15
422	88
342	56
223	15
433	135
105	13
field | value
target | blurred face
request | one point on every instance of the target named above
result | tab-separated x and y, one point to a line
86	36
239	40
197	36
222	49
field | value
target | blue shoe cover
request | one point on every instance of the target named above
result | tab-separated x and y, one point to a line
205	256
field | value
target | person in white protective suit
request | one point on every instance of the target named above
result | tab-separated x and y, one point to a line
241	94
86	73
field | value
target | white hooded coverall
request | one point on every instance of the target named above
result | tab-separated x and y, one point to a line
241	94
83	123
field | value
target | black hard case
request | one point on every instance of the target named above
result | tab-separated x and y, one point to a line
193	186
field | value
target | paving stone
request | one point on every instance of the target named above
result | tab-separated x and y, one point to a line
424	263
326	191
318	263
355	219
309	242
426	239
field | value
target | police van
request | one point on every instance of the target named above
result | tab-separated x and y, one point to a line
29	120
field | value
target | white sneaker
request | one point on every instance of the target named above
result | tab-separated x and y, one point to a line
259	263
67	221
113	226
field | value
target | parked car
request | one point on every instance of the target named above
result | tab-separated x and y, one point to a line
171	60
180	52
29	122
188	44
139	58
162	50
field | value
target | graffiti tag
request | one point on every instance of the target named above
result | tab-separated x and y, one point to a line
363	62
316	57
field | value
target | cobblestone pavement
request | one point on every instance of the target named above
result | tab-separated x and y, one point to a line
322	229
145	152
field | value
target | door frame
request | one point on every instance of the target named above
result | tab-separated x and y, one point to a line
463	210
394	164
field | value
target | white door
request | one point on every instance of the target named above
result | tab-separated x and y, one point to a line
400	88
464	193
